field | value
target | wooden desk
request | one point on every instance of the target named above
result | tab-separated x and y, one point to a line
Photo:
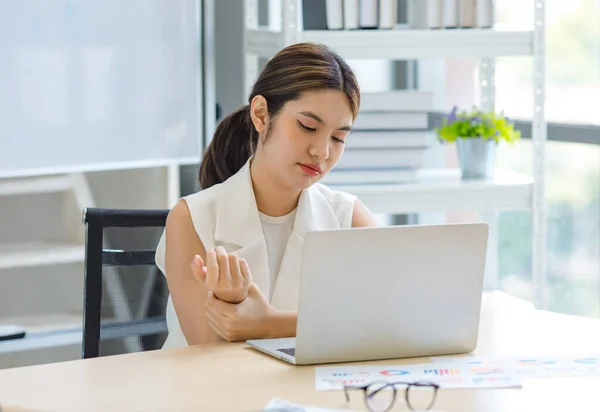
233	377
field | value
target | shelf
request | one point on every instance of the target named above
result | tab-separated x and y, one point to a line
36	185
45	323
444	190
44	331
25	254
402	44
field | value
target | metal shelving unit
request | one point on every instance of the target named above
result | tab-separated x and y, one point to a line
447	192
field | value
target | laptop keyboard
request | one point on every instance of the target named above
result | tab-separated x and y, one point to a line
288	351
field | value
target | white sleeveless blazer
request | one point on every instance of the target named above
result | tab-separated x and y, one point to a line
226	215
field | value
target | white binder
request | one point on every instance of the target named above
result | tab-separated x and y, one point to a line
351	20
435	13
388	14
467	13
450	14
369	14
333	14
485	13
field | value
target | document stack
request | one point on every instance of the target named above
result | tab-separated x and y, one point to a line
422	14
361	14
389	140
450	14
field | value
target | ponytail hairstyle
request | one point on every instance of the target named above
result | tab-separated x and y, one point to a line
294	70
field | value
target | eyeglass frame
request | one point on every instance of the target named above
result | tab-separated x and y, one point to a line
386	384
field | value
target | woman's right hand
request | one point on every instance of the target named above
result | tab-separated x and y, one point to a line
226	275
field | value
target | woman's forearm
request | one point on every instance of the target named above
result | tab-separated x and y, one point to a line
281	324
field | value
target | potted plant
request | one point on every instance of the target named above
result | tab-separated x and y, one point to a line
477	134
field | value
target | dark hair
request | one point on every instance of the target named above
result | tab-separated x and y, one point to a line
294	70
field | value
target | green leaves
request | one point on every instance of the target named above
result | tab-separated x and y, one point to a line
477	124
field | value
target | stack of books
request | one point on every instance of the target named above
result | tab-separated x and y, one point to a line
361	14
389	140
422	14
450	14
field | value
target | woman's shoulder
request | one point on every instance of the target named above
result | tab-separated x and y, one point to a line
195	210
350	211
334	197
199	202
341	203
204	197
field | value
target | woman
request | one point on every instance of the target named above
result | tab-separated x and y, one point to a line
231	252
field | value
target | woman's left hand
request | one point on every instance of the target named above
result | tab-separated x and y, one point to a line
249	319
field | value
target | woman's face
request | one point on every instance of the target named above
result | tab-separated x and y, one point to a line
307	137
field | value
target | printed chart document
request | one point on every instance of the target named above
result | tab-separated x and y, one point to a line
461	372
589	363
448	377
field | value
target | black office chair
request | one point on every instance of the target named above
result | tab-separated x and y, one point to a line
125	293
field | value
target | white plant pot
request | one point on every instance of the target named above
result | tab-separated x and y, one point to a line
477	157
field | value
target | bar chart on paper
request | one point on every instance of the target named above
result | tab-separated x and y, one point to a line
461	372
335	378
519	360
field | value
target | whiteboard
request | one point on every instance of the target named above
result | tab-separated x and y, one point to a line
99	84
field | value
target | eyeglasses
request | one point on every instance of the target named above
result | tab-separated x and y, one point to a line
380	396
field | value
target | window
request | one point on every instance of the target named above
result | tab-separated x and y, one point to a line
572	62
572	169
573	208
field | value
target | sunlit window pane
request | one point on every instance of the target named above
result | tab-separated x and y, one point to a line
573	206
572	62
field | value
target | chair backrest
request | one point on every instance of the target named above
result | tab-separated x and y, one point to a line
124	292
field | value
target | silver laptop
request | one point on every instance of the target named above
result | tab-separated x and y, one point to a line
385	293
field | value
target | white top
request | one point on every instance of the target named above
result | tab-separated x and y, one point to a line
277	231
226	215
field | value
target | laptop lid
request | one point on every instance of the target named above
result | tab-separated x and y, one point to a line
390	292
